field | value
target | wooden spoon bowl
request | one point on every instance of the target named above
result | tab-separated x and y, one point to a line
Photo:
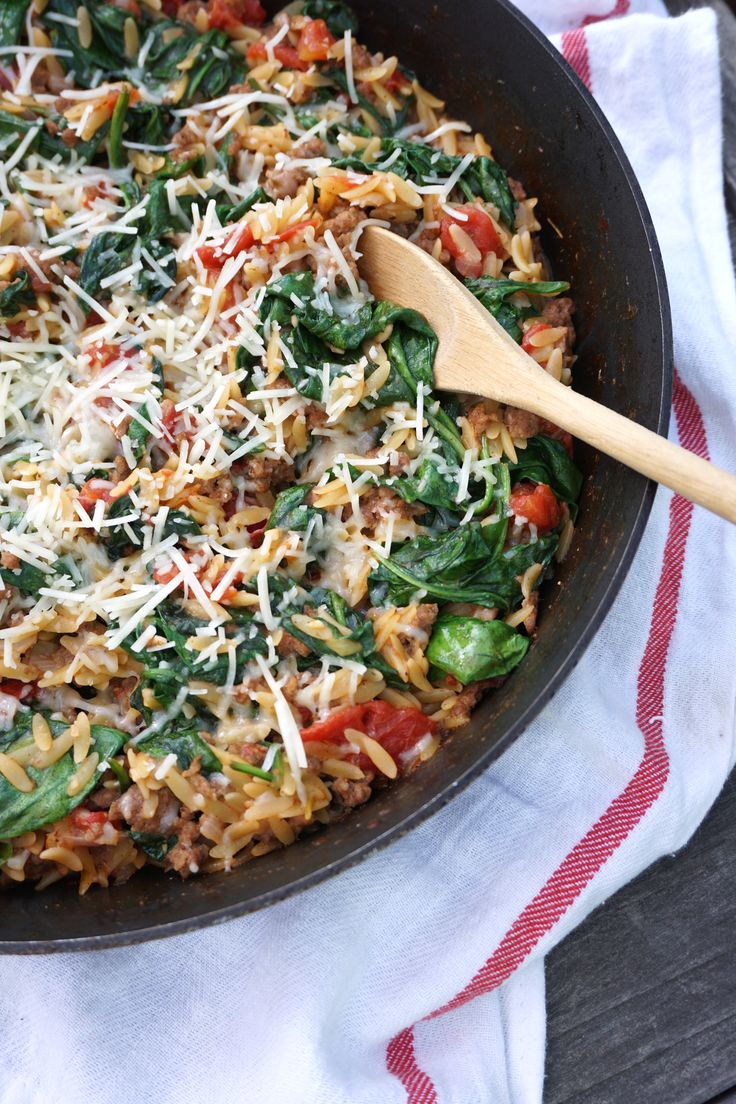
476	356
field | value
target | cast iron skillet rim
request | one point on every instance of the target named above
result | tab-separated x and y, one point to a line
564	667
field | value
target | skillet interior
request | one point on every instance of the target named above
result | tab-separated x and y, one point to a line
499	73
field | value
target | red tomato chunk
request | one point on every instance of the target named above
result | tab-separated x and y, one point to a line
396	730
537	503
94	491
225	14
315	41
526	343
216	256
287	55
469	240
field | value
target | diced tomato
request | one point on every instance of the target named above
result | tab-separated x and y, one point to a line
396	730
290	231
287	55
93	491
169	420
549	429
315	41
112	98
538	327
85	818
164	575
257	532
215	256
17	689
227	299
256	53
397	82
242	239
226	14
94	191
39	284
476	226
102	354
537	503
131	6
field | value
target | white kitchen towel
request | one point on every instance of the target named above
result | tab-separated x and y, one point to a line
418	976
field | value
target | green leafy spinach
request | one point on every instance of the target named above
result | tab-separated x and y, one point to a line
496	297
49	800
17	295
470	649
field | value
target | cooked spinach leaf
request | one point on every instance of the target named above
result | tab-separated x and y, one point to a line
546	460
495	532
27	578
386	123
328	607
121	540
435	483
12	14
166	674
121	774
152	844
470	649
106	52
14	128
455	567
138	433
233	212
109	252
256	772
411	355
291	510
17	295
317	333
295	293
495	295
181	738
215	65
115	154
105	255
424	164
429	484
149	124
49	800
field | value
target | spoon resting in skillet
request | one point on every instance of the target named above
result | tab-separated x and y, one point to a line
476	356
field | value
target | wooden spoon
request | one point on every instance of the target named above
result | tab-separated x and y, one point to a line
476	356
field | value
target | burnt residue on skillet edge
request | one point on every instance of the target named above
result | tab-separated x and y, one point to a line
545	129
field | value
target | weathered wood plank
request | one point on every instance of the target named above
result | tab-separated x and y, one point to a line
642	997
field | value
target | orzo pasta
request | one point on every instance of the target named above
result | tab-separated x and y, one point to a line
252	565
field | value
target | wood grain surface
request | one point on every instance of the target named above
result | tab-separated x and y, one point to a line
641	998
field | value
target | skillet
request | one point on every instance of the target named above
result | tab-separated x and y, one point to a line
498	72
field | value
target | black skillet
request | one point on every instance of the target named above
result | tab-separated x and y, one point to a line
497	71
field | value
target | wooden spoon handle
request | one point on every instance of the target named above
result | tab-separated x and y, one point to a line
632	444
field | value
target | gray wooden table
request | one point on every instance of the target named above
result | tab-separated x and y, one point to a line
641	998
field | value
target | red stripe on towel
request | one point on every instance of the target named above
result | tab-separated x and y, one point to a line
624	813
